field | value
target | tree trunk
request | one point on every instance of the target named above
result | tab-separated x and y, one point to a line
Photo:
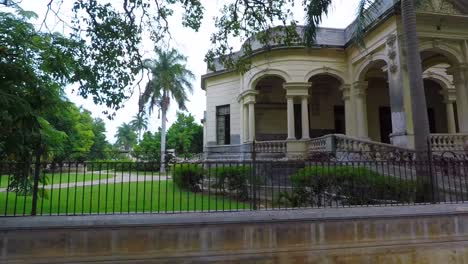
418	100
163	135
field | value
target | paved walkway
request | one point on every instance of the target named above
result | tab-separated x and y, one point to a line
116	178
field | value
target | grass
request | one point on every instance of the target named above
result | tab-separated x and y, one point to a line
64	177
118	198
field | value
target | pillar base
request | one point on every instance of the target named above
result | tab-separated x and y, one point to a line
402	139
296	149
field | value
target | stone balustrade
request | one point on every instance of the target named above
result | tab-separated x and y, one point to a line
319	144
346	143
343	143
449	142
355	148
275	146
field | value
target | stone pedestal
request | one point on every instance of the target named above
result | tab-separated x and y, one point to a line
296	148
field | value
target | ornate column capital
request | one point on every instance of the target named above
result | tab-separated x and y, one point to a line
458	72
346	91
297	88
450	95
391	39
360	88
247	96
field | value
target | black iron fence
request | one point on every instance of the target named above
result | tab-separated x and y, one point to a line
197	185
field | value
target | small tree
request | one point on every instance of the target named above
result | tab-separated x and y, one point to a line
139	123
126	137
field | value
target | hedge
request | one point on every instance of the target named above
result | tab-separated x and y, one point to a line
233	179
318	185
188	176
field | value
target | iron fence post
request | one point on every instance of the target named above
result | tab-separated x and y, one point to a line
432	176
37	173
254	176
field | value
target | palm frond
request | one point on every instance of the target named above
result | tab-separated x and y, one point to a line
366	14
170	78
315	10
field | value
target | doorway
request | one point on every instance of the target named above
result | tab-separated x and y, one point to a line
340	122
385	117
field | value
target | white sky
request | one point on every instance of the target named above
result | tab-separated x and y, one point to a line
192	44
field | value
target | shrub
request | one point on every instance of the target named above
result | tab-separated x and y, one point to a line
21	180
316	185
233	179
188	176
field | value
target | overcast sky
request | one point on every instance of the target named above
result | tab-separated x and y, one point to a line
192	44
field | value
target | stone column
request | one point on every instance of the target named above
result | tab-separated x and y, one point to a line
449	98
297	90
450	117
251	121
291	130
305	117
245	121
247	98
346	91
459	80
361	109
398	88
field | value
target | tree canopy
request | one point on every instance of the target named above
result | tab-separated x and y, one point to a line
185	136
111	35
126	137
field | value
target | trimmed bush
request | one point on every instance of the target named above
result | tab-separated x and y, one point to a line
188	176
233	179
318	185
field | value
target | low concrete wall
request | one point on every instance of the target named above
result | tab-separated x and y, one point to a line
417	234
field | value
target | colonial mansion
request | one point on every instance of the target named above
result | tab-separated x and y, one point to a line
294	98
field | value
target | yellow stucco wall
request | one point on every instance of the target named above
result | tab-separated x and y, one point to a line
222	90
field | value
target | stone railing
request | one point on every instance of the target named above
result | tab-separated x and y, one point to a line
345	143
276	146
345	147
321	144
449	142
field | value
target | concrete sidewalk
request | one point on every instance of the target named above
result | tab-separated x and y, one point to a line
207	218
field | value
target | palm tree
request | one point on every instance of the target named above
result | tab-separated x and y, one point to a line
126	137
169	79
139	123
317	8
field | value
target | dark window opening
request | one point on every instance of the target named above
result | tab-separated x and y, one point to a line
432	122
223	125
298	121
340	122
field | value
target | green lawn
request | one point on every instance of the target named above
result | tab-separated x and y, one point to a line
64	177
118	198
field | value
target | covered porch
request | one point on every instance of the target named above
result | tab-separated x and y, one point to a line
283	117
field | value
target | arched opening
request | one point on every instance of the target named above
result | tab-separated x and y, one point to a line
436	110
326	106
439	63
379	113
270	109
